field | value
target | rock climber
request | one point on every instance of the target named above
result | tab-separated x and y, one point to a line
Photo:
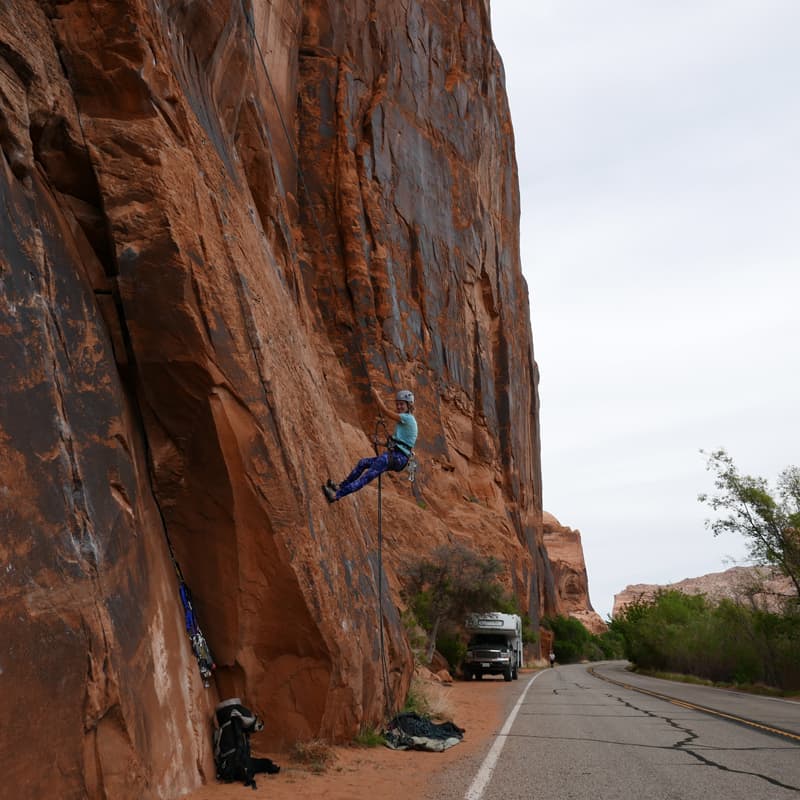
400	447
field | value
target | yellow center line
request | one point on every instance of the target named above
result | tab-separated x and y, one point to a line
694	707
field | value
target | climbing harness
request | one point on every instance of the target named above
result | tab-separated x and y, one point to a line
401	447
411	464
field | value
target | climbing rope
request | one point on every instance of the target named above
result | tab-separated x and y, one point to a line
200	648
381	423
199	644
377	439
295	156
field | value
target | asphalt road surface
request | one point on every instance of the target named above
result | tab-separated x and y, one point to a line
571	735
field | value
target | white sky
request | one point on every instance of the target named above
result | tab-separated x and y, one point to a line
658	146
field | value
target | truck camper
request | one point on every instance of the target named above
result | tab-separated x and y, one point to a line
495	646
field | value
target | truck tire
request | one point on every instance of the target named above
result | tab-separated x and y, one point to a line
515	676
467	674
508	673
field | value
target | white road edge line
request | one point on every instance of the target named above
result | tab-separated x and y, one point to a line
478	785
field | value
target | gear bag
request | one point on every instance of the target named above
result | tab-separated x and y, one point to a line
234	724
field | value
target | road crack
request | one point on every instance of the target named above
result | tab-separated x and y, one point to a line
683	746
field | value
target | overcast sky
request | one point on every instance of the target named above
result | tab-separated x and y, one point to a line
658	146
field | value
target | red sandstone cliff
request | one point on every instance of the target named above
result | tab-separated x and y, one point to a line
565	551
195	303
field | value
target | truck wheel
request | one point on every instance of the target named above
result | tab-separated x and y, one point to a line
467	674
508	673
515	676
478	674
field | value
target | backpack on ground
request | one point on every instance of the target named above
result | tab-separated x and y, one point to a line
234	724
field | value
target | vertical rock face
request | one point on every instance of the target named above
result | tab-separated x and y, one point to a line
565	551
222	226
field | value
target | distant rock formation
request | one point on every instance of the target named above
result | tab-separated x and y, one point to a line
758	585
565	551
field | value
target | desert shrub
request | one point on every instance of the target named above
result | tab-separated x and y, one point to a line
369	737
453	581
611	644
417	699
316	754
451	645
572	642
428	699
725	642
416	634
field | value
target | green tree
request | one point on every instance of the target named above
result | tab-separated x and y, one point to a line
453	582
769	522
571	640
726	641
611	644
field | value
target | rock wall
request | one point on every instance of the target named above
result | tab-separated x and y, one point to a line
223	225
760	586
565	551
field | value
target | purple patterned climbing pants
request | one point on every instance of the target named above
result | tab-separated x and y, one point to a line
369	468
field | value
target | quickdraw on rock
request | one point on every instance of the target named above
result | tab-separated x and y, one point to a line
200	648
411	467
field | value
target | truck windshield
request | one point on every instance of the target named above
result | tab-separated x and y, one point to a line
488	640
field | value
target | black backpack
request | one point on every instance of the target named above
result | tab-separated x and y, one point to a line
234	724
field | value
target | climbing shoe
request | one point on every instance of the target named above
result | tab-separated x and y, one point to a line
332	485
330	494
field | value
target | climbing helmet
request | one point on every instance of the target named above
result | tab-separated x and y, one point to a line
406	396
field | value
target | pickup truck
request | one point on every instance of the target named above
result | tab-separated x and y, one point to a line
494	647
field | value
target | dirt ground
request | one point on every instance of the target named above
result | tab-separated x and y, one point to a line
363	773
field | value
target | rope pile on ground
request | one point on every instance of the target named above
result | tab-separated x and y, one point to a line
410	731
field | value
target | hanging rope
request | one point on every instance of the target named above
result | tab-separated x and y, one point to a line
381	423
295	156
200	648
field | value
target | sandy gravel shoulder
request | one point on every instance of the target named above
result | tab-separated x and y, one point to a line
362	773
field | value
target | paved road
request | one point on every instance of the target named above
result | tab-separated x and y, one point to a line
577	737
768	711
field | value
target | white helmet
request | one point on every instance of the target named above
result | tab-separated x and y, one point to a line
406	396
